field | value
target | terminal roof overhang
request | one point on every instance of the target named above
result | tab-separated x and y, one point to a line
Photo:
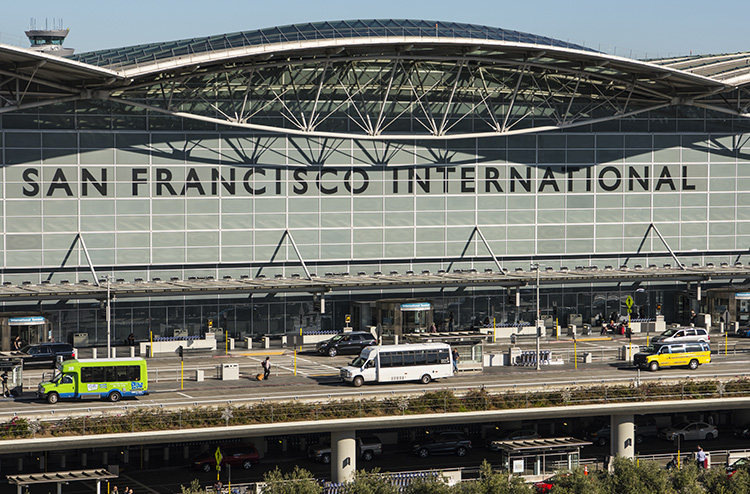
618	87
342	283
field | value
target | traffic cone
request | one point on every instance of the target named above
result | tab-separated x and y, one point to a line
585	469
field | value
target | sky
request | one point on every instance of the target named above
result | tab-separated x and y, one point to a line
637	29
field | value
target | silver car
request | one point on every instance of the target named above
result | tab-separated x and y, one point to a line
683	335
690	431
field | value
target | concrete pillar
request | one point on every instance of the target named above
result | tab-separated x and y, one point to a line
126	456
623	436
146	456
343	456
63	461
105	458
166	453
41	462
20	464
84	460
186	452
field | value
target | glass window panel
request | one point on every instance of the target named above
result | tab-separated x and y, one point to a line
237	238
135	206
52	207
240	221
237	205
98	223
581	231
270	220
167	222
167	256
203	254
367	220
24	258
202	221
168	206
550	216
693	214
202	206
168	239
60	224
398	251
721	214
131	223
135	256
129	240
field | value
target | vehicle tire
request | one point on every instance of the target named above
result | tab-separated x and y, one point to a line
368	455
206	467
426	379
358	381
423	453
653	366
53	398
114	396
332	352
326	458
693	364
602	441
461	451
247	464
709	436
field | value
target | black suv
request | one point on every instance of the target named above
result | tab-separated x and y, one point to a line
443	443
352	342
47	353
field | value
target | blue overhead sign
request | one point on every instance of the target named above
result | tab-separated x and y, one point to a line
742	295
30	320
416	306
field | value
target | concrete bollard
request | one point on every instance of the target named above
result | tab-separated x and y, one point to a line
267	342
249	343
114	352
93	354
199	375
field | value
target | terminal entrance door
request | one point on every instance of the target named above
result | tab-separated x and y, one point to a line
30	329
403	317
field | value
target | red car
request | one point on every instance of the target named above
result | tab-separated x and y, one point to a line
546	485
236	455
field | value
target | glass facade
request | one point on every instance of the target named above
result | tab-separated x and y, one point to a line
155	195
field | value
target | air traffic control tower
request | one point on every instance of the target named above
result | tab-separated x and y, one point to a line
49	41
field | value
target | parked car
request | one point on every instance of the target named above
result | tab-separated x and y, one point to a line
690	431
603	435
742	463
47	353
342	343
443	443
683	335
516	435
367	448
547	484
236	455
742	332
742	431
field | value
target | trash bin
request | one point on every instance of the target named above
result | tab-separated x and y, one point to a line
229	372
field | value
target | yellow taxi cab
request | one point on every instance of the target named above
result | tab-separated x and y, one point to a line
659	355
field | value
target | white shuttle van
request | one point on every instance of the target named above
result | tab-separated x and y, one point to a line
389	363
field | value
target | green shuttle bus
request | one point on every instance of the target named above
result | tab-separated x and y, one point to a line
109	379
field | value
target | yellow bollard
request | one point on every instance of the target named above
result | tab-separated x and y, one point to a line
494	331
575	353
726	343
182	374
295	361
151	348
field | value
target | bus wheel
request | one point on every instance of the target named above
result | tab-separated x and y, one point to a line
693	364
426	379
653	366
53	398
358	381
115	396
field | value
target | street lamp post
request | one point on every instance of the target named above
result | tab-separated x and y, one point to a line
109	323
538	317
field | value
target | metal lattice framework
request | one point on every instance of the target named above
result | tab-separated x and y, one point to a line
380	80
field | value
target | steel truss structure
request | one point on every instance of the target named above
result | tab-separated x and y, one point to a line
385	84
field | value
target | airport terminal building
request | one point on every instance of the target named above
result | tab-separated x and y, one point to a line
396	172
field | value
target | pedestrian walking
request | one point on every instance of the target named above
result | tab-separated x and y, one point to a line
4	378
693	317
455	360
114	490
266	368
17	343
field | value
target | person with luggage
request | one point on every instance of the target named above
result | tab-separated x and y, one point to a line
266	368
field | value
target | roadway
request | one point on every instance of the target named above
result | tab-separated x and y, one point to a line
311	377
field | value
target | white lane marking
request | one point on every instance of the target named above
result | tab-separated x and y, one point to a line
185	395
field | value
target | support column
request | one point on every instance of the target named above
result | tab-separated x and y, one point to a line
63	460
84	460
343	456
105	458
166	454
623	436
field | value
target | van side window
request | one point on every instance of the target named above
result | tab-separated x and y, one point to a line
385	360
444	356
432	356
677	349
693	347
67	379
663	350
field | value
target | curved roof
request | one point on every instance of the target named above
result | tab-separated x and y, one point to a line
121	57
379	79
